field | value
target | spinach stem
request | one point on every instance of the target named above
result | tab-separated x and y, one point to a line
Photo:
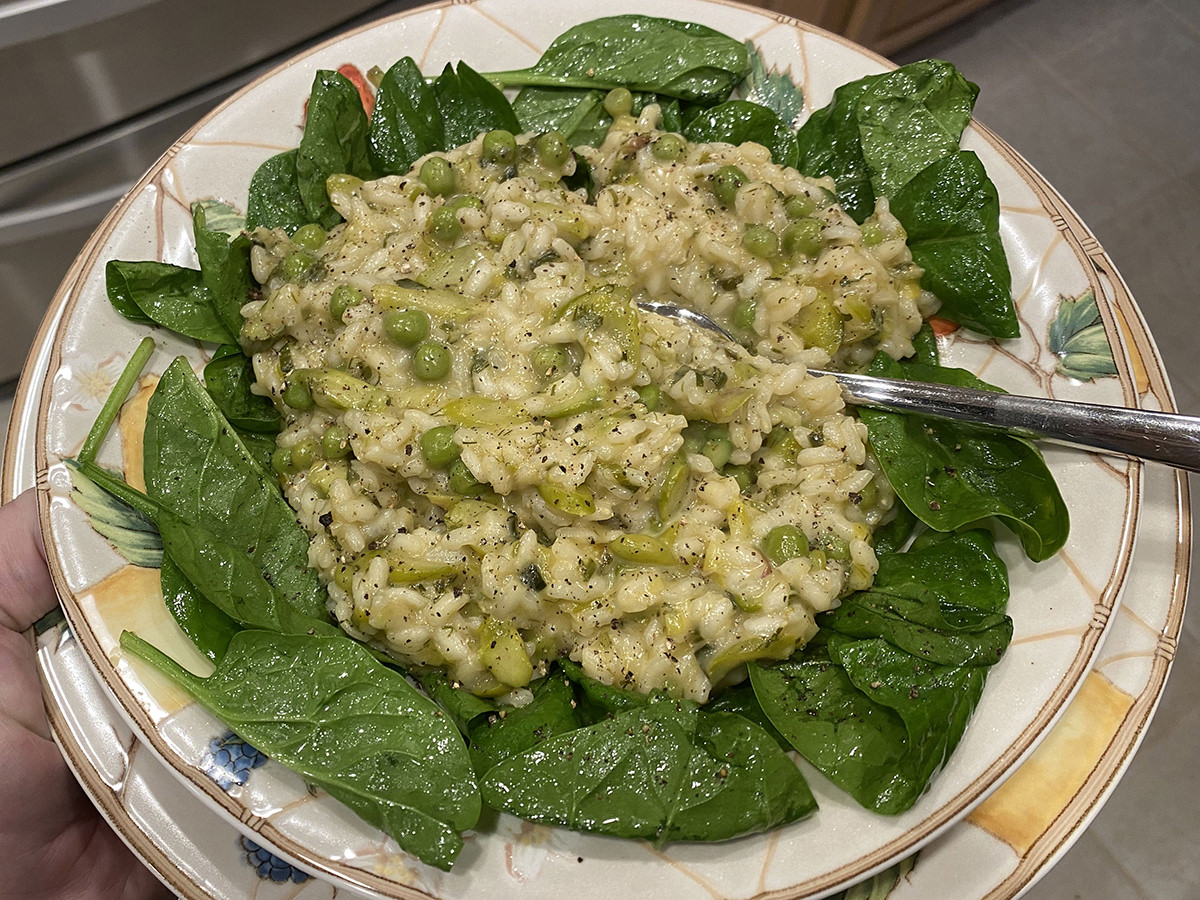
108	413
151	655
526	78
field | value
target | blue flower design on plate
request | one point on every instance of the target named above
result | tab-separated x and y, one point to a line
270	867
229	761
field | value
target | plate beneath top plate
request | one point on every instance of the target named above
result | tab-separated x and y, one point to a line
1060	608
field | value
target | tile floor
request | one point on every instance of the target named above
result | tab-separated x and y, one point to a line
1099	96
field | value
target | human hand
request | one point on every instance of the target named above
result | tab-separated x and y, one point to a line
54	845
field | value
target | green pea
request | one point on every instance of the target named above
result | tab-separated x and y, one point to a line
431	360
803	236
462	201
406	327
668	147
695	434
281	461
310	236
344	296
650	395
462	482
727	182
872	235
835	547
304	454
437	175
298	266
718	448
297	395
550	360
553	149
499	146
784	542
618	102
744	313
444	226
760	241
438	447
335	442
799	206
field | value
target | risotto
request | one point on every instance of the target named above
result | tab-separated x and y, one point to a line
503	461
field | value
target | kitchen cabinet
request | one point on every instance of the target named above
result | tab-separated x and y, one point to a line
884	26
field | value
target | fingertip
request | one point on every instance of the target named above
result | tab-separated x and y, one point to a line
26	590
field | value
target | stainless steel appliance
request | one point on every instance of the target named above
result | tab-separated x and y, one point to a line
94	92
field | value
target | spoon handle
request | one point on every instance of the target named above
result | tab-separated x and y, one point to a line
1145	434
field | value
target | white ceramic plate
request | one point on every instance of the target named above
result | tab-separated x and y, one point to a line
1055	642
1006	844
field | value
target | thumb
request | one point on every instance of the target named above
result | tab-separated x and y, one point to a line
26	591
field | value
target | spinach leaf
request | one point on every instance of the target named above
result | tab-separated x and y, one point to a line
877	721
325	708
196	466
739	121
871	613
828	146
942	602
224	268
891	536
203	622
228	377
879	700
275	200
879	131
960	571
334	142
260	446
577	113
597	699
897	135
471	105
740	700
642	53
951	212
229	579
175	297
462	706
925	346
912	117
951	474
406	123
503	734
663	771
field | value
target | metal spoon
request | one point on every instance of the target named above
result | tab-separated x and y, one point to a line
1143	434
